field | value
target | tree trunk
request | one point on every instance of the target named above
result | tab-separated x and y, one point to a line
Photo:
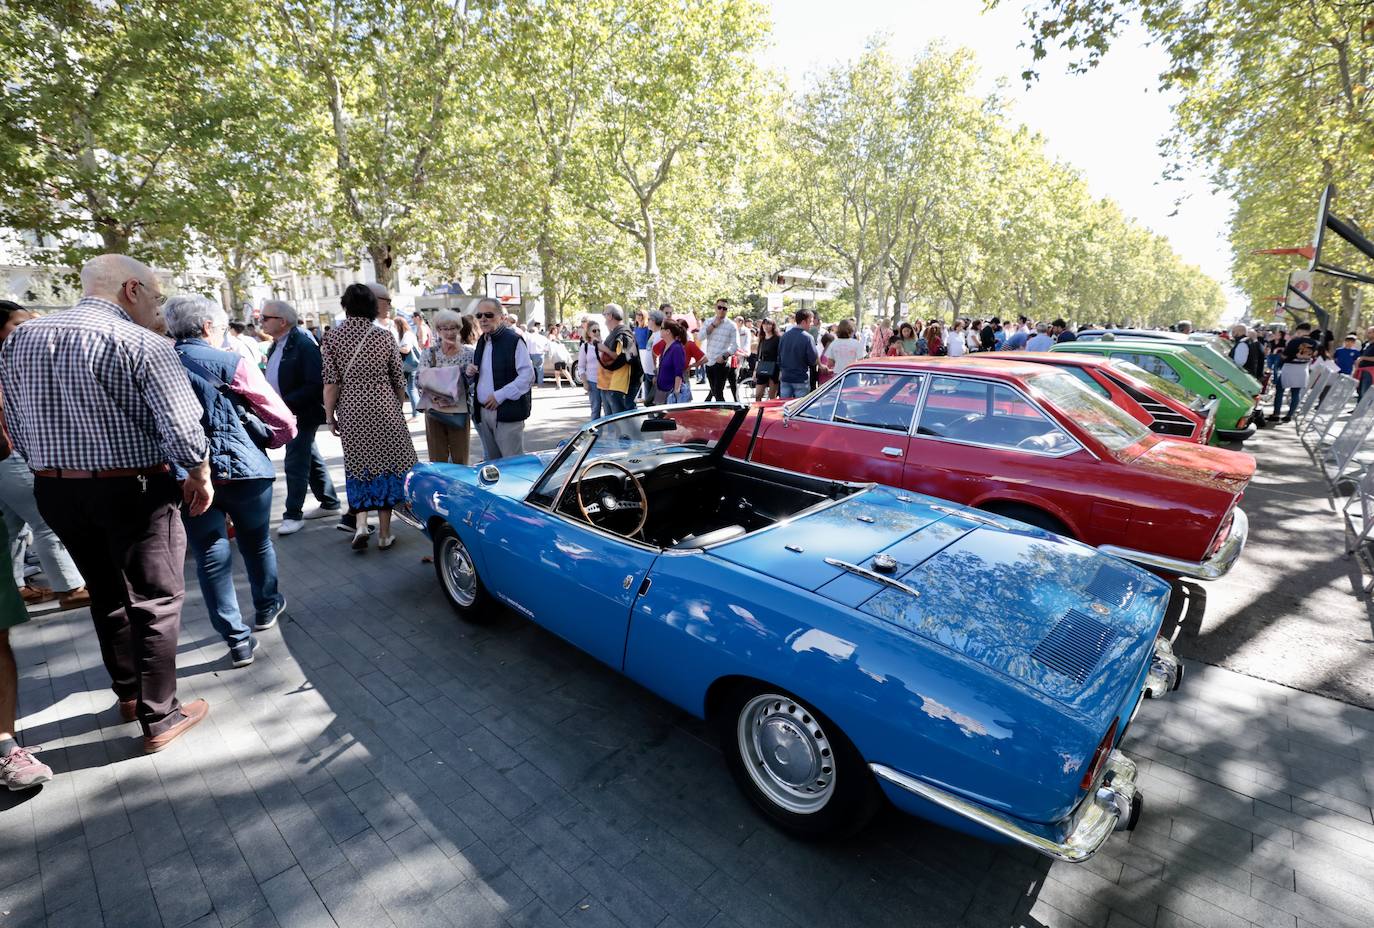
856	274
380	255
114	238
1345	320
650	241
548	280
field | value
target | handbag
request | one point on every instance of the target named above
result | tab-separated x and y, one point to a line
766	369
410	363
258	431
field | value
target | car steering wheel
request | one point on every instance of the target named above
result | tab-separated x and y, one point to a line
609	503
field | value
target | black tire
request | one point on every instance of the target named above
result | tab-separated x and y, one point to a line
842	808
1031	516
467	595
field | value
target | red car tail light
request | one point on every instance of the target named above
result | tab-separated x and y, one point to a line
1243	422
1104	748
1222	534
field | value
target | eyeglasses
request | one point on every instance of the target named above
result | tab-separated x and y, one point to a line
485	315
446	328
722	309
265	318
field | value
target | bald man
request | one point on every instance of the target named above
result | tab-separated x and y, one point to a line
100	407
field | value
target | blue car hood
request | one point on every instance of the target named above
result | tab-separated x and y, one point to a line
1052	614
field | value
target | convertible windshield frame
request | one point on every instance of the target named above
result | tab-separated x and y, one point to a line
594	430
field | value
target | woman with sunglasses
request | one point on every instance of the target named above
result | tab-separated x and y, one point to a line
589	365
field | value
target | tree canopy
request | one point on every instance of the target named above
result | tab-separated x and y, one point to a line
626	150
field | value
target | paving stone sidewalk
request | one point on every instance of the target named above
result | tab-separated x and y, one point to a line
383	764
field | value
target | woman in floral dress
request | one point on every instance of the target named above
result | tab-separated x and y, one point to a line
363	388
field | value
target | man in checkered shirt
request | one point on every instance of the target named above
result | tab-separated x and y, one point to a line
100	406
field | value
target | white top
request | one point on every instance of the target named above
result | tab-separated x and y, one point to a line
408	340
956	347
844	352
646	354
538	344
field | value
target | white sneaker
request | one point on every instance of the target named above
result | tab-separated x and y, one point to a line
319	512
291	526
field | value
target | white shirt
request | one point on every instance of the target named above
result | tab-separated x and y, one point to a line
524	376
956	347
274	364
409	340
646	354
1040	342
537	343
844	352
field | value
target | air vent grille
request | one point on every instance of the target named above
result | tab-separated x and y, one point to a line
1112	585
1074	647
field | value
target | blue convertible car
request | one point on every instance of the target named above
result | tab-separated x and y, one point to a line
848	640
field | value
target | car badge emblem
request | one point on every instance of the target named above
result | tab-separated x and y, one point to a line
489	474
1101	609
884	563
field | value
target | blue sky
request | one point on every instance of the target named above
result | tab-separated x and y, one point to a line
1107	123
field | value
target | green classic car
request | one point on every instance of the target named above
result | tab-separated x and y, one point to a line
1176	362
1212	351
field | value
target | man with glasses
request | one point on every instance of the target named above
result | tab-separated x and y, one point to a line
505	378
295	371
721	338
100	407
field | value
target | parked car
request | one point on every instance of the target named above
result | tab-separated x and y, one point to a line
1236	410
1163	407
815	624
1211	351
1024	440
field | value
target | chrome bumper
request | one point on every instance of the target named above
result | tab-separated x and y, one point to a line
1213	568
1166	671
407	515
1113	806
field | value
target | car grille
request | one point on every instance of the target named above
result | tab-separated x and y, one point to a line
1074	647
1112	585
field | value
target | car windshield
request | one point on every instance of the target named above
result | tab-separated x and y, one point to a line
681	430
1110	425
1158	383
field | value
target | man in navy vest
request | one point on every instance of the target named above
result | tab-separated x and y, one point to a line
505	378
294	370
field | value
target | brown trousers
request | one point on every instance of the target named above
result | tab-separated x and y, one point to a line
446	444
126	537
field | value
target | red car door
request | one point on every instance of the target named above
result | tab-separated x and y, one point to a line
980	441
856	429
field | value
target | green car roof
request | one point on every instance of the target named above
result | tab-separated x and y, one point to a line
1233	402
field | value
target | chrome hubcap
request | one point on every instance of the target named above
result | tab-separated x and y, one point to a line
787	754
460	578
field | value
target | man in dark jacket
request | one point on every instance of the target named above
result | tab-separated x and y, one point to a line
505	378
796	357
294	370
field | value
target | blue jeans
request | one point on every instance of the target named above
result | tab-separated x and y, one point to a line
537	363
412	392
685	394
1293	392
594	398
788	390
249	504
304	468
613	401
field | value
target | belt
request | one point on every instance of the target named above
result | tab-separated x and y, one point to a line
104	474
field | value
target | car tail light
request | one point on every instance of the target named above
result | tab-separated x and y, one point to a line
1223	534
1099	757
1244	421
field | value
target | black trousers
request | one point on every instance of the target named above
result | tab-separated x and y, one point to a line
716	377
126	537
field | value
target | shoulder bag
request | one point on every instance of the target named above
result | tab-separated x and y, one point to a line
258	432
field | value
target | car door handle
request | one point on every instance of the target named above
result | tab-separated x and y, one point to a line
892	452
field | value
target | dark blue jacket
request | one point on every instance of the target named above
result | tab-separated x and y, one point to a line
233	456
300	378
796	356
502	343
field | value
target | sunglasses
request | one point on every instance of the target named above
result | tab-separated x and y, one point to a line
485	315
265	318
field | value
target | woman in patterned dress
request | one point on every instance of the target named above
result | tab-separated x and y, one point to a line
363	389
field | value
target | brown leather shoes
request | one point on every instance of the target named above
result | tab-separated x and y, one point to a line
195	710
128	709
33	595
78	598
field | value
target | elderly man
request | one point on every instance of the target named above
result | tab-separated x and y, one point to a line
615	378
384	309
501	366
294	371
100	407
1042	340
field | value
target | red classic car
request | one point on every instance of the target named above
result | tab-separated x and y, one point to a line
1163	407
1019	439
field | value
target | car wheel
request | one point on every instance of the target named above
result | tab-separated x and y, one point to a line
796	765
458	577
1031	516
